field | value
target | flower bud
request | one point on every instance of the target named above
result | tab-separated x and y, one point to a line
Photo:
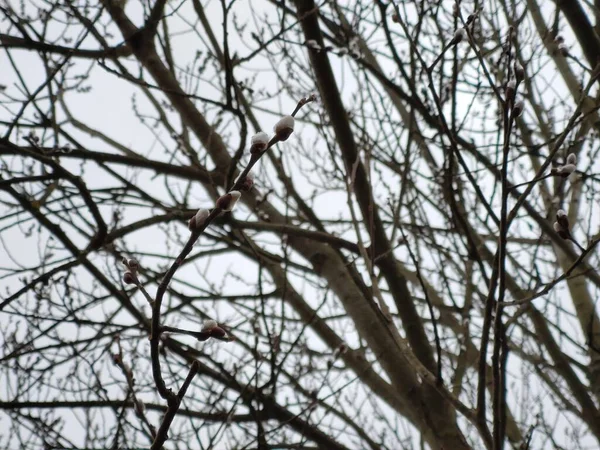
561	231
259	142
192	224
284	128
562	48
218	332
209	325
519	71
562	219
133	264
511	88
395	18
129	278
201	216
458	36
227	202
566	170
246	183
518	109
572	159
311	43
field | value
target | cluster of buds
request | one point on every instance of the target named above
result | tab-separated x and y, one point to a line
196	222
130	275
227	201
566	169
561	226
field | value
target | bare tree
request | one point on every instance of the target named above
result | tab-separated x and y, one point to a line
408	260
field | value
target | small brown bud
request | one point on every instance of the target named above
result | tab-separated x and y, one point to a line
192	224
561	231
519	71
218	332
133	264
518	109
246	183
511	88
129	278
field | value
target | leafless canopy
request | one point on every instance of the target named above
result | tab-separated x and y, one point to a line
411	262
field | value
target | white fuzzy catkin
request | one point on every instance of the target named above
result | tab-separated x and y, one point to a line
260	138
201	216
209	325
285	123
227	201
567	169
